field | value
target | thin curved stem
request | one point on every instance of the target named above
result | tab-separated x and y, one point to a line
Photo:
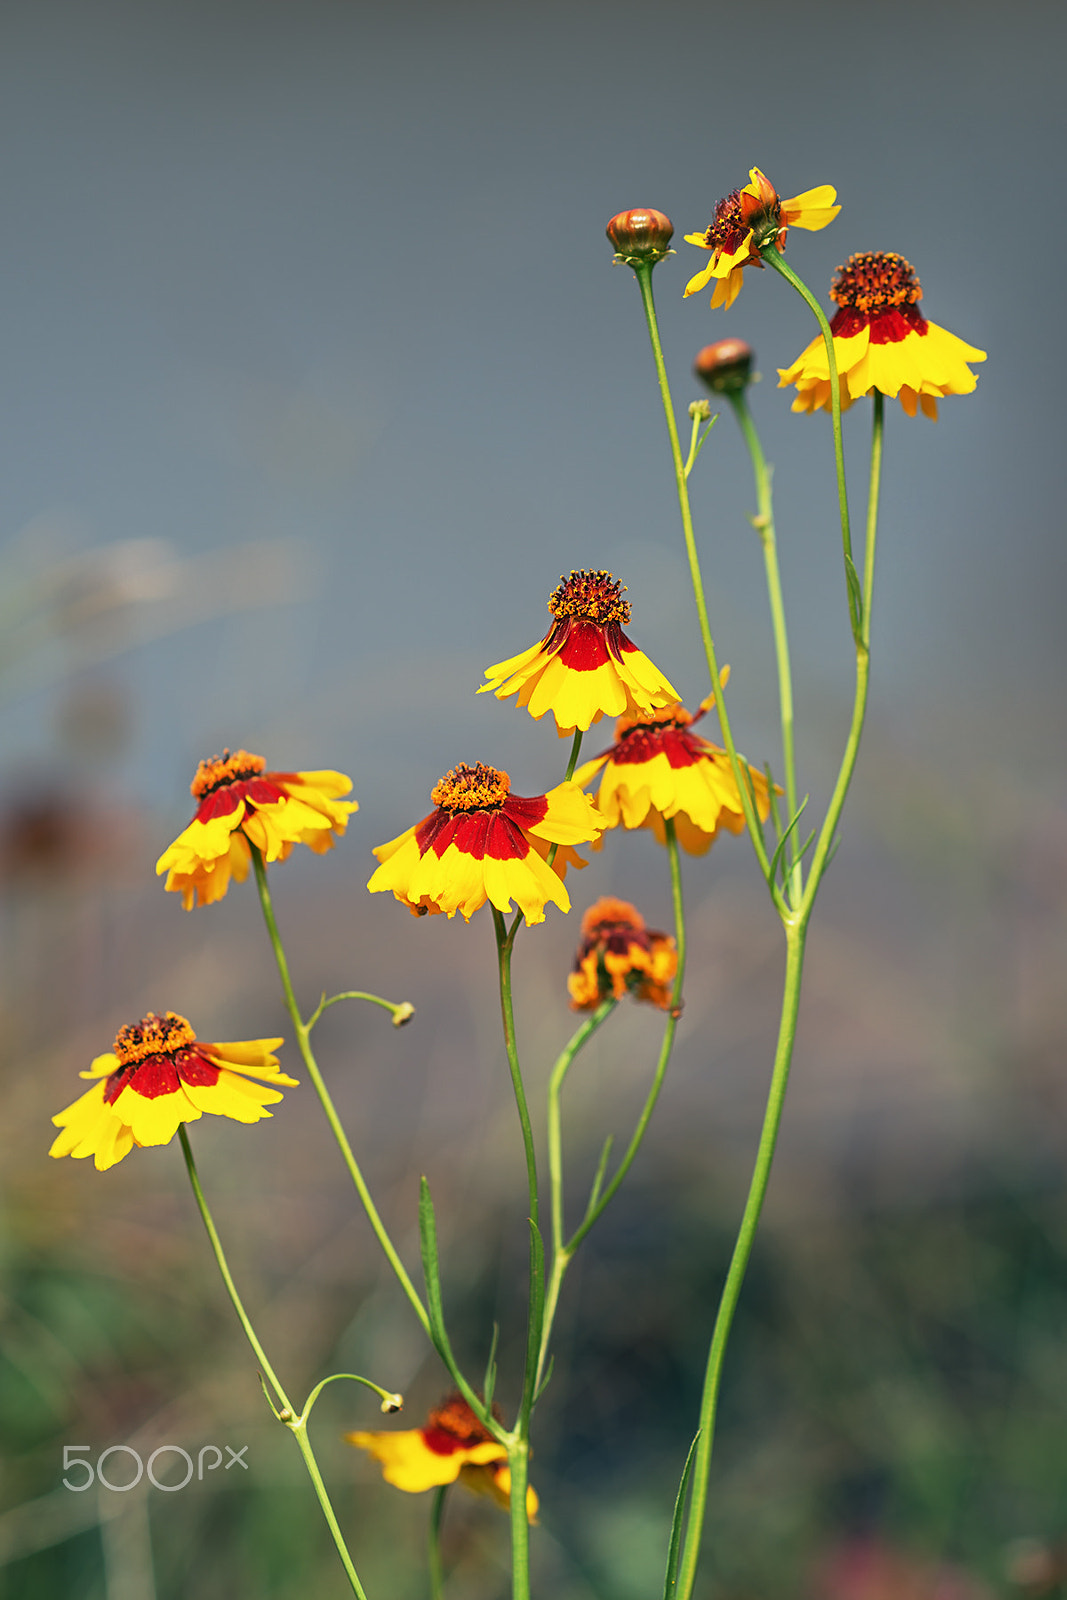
307	1055
563	1251
297	1426
795	941
536	1308
774	258
643	274
763	522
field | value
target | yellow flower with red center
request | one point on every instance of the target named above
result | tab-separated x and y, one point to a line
746	222
159	1076
585	667
619	955
881	341
658	769
238	803
485	843
452	1446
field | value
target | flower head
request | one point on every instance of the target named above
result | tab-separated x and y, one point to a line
453	1445
659	769
618	955
725	366
239	803
158	1076
881	341
585	667
746	222
640	236
485	843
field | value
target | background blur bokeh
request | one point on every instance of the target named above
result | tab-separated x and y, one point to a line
316	375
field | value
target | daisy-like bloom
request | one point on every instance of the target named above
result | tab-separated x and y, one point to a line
585	667
453	1445
748	220
485	843
618	955
239	802
658	769
882	342
158	1076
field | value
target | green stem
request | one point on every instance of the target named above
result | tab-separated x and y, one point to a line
519	1467
795	940
825	841
643	274
437	1570
595	1211
302	1031
774	258
563	1251
402	1010
297	1426
536	1309
561	1257
764	524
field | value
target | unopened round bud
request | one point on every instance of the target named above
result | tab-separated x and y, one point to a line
641	236
725	366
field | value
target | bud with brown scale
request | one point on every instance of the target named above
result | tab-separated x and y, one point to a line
725	366
641	237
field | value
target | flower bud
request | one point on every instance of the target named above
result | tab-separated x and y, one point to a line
641	236
725	366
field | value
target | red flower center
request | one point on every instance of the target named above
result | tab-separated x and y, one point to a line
154	1054
591	597
453	1426
219	771
878	290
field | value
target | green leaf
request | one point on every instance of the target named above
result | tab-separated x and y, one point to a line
855	592
430	1264
489	1384
674	1549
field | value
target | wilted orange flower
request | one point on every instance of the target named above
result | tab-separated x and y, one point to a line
746	222
159	1076
585	667
485	843
239	802
618	955
882	342
658	768
453	1445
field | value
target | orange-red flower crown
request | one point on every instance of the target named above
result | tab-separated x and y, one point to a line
484	843
882	341
585	667
239	803
158	1076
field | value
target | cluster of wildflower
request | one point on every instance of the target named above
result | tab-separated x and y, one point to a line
483	844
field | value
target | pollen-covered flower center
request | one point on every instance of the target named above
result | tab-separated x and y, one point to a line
218	771
153	1036
591	596
657	721
876	280
471	788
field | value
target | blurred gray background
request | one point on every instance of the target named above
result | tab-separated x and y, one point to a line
316	375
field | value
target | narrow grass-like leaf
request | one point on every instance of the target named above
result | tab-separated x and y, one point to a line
598	1177
674	1549
489	1385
